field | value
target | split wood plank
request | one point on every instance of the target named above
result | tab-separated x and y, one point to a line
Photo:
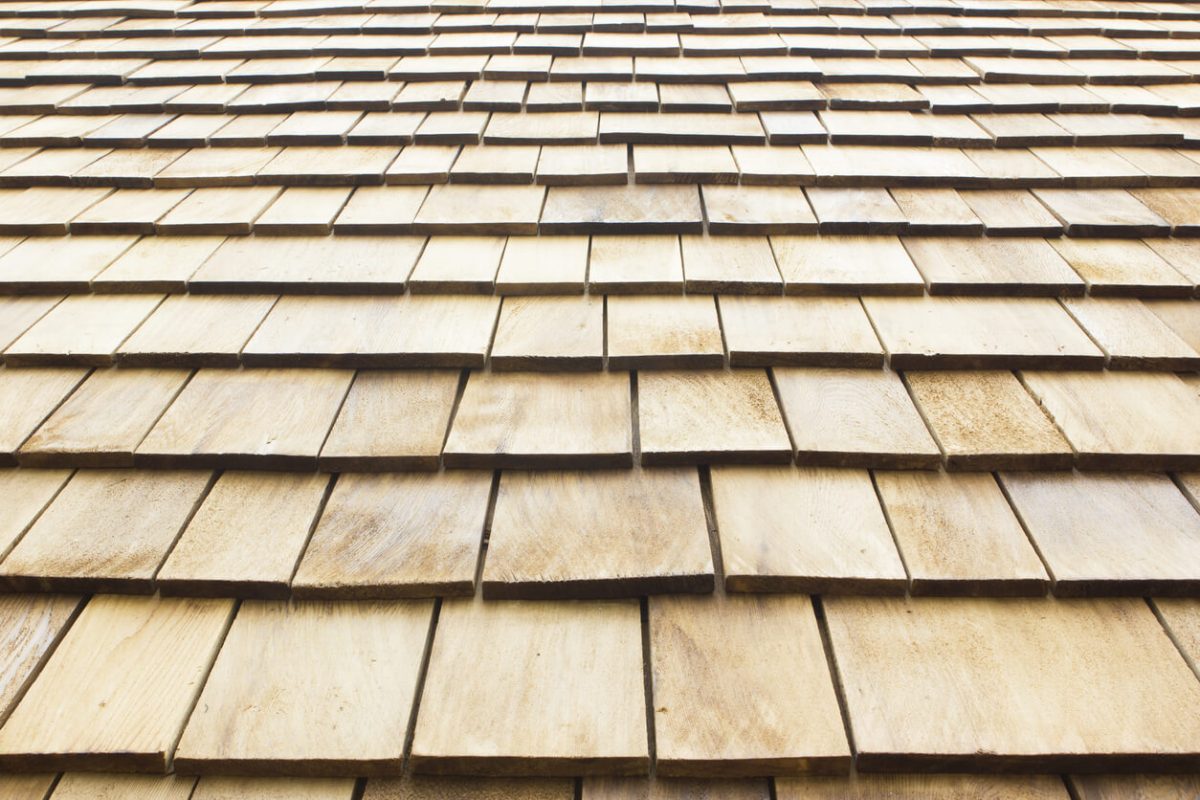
226	788
664	332
24	494
740	264
783	697
1123	420
846	265
336	264
643	264
560	535
798	332
544	264
980	333
550	333
462	264
703	416
345	674
533	420
30	396
1101	685
985	420
246	538
249	418
854	418
87	708
397	535
102	423
107	530
1010	267
1112	533
626	209
958	535
923	787
392	420
520	716
811	530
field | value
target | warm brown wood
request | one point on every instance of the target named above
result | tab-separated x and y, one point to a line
87	709
635	264
25	787
531	420
246	537
392	420
82	329
845	265
664	332
30	396
519	716
223	788
415	787
674	789
854	418
598	534
702	416
196	331
1101	685
93	786
388	536
782	699
958	535
107	530
798	332
31	626
803	530
309	690
550	333
24	494
923	787
1133	336
247	418
1134	787
1112	533
986	420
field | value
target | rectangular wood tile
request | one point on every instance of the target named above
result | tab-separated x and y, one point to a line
1113	533
82	329
521	717
1018	266
812	530
31	395
392	420
232	418
854	418
1102	686
246	537
543	265
103	422
531	420
663	332
82	785
622	209
930	787
798	331
701	416
227	788
674	789
157	264
42	264
635	264
980	333
789	715
31	627
845	265
417	787
559	535
107	530
550	333
25	493
741	264
196	331
1123	420
397	535
1122	267
958	535
300	657
18	313
218	210
1111	787
1132	335
86	710
750	209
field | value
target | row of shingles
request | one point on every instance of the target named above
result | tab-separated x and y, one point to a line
464	209
840	417
1130	700
553	535
609	264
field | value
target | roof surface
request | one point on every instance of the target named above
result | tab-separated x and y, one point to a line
599	399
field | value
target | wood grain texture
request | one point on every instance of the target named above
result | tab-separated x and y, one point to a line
309	690
30	395
100	786
845	265
958	535
532	420
673	789
416	787
24	494
31	626
854	418
782	698
1123	420
698	416
563	694
812	530
545	264
798	332
741	264
664	332
1112	533
1134	787
1017	266
931	684
102	423
196	331
392	420
550	333
980	333
87	708
246	537
624	264
225	788
25	787
387	536
82	329
598	534
1133	336
923	787
247	418
985	420
107	530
